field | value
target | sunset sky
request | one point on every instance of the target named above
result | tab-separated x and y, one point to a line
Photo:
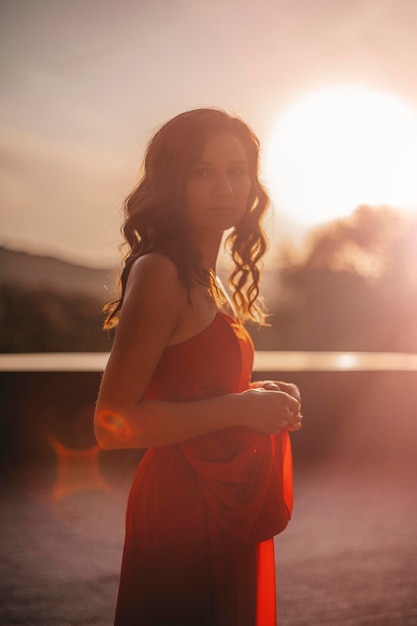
86	82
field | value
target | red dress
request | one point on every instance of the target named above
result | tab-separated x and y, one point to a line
201	514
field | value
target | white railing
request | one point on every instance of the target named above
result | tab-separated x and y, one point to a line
264	362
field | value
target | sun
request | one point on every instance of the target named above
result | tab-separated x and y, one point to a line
340	147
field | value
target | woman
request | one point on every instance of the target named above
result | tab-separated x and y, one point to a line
215	483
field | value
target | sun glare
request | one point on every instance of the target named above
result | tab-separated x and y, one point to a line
340	147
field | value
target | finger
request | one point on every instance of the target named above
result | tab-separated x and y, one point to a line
290	388
293	404
295	427
293	413
294	417
297	424
269	385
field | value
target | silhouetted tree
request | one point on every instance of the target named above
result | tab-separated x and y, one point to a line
354	289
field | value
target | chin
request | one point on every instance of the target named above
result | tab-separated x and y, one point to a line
226	215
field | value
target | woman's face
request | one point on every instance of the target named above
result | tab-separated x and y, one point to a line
217	191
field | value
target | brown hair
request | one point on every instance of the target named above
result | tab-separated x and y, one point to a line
155	218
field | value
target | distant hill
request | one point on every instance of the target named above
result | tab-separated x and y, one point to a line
49	305
33	272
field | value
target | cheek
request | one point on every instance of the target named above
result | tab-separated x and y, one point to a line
244	191
194	198
191	196
198	192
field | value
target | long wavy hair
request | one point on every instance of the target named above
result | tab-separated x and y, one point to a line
155	219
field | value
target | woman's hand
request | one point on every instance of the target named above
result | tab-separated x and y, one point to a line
289	388
270	410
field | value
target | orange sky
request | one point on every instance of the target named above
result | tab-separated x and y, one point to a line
84	84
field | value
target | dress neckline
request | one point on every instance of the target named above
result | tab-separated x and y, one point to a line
219	315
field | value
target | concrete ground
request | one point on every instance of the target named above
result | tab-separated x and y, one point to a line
348	557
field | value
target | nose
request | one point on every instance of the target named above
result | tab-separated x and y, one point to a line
223	186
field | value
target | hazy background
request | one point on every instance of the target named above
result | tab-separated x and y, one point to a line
85	83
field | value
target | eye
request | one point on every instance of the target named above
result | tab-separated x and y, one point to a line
238	171
200	172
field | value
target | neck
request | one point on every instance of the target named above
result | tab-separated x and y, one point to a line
208	246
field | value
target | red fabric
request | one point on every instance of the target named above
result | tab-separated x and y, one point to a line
201	515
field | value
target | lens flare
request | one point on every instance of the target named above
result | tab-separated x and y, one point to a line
116	425
77	471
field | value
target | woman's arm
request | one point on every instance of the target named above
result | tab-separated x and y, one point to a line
154	302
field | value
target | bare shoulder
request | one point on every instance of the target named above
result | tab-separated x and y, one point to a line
152	308
155	266
154	281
